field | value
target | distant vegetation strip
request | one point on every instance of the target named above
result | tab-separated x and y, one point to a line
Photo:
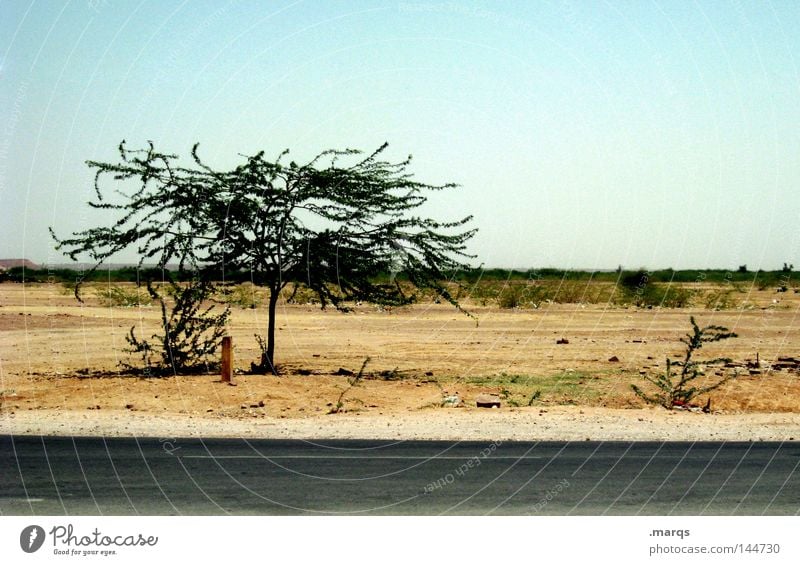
760	278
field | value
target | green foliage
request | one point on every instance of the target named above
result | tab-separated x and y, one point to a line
527	389
763	279
719	299
510	297
675	296
245	295
300	294
676	388
640	289
190	333
124	297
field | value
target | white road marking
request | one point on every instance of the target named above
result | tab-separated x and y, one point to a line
401	457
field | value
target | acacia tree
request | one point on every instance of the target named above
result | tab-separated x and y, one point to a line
337	228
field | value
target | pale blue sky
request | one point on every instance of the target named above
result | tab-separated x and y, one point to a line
584	134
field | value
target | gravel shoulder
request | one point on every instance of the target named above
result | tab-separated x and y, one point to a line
554	424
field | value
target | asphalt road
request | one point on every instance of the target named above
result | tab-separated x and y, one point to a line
151	476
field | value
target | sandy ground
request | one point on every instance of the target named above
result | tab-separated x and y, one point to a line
559	423
59	372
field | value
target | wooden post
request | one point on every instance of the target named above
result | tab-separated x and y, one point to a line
227	359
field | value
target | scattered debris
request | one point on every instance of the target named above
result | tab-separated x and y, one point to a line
681	405
452	401
789	363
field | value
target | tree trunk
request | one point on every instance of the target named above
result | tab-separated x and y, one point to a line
268	356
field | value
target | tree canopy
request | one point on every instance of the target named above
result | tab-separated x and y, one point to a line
338	224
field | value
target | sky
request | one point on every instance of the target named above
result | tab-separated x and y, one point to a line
582	134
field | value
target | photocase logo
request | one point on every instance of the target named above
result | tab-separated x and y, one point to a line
31	539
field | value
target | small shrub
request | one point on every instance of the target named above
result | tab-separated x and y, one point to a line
570	292
353	382
483	292
510	297
244	296
189	335
534	397
721	299
300	294
676	296
125	297
676	388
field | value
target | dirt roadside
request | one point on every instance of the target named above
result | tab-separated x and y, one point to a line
553	424
59	365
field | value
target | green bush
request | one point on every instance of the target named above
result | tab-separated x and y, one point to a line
190	331
125	297
676	297
246	295
676	388
719	299
510	297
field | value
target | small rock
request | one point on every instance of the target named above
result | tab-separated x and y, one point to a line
613	359
451	400
562	341
487	401
261	404
129	406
